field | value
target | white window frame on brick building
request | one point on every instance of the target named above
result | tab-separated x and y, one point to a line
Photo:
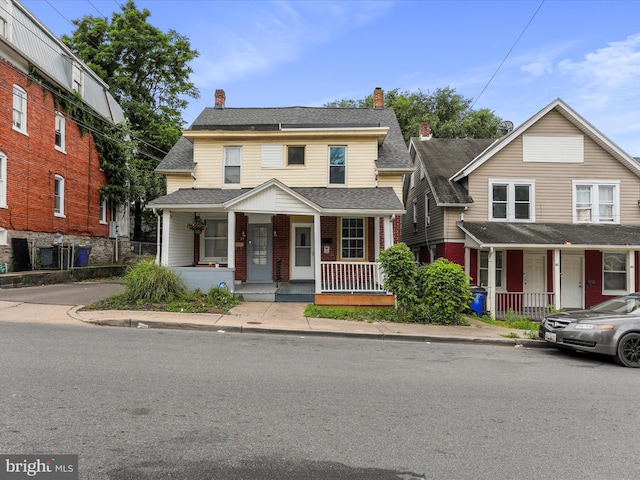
60	128
103	212
58	196
19	109
3	180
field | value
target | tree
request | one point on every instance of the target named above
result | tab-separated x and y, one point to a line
449	114
148	73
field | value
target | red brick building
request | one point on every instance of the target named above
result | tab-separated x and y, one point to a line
50	176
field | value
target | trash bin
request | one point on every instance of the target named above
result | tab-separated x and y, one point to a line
478	305
82	256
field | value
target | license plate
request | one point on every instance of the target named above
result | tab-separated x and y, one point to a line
549	336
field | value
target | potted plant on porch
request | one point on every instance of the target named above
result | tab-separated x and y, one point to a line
198	225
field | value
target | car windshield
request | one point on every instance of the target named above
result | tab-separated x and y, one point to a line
619	305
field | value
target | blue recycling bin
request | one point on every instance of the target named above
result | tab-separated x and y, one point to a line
82	256
478	305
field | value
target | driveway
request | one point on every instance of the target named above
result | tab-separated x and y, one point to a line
79	293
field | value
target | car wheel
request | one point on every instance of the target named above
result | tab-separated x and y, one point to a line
628	352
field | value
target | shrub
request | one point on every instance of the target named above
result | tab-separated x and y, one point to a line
445	292
399	268
222	297
147	282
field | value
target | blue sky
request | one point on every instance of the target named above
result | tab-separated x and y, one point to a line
513	57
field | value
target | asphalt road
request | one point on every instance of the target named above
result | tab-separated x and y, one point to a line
159	404
78	293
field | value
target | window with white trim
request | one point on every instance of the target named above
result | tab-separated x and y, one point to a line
3	180
415	215
352	238
232	165
58	196
427	209
483	268
614	272
596	202
60	127
19	109
103	211
213	241
337	165
4	28
512	200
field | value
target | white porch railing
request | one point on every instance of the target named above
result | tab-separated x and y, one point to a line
351	277
534	305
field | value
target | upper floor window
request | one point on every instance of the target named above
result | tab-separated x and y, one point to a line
232	165
352	238
295	155
427	209
58	196
415	215
3	180
60	124
4	28
512	200
595	202
337	165
19	109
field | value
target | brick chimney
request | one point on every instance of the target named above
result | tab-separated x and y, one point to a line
425	131
378	98
220	98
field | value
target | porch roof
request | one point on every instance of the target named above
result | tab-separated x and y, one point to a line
329	201
551	235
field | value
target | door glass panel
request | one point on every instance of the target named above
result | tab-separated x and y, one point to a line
260	244
303	247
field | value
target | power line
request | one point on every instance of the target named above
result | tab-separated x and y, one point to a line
509	52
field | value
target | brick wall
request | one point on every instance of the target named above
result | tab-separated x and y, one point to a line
33	163
281	245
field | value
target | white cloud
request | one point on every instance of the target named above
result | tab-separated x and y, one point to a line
537	69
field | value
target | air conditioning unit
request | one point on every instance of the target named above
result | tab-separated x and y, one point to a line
113	229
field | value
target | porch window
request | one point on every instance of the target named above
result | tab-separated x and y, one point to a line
511	201
337	165
352	240
295	155
614	272
596	203
214	241
483	273
232	165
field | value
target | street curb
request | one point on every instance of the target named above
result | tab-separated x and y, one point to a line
150	324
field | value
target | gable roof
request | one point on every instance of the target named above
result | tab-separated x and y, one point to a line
392	153
572	116
443	157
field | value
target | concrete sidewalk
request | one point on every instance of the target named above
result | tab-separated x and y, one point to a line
288	318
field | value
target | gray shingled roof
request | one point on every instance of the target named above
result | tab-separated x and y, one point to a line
383	199
559	234
179	158
442	157
392	154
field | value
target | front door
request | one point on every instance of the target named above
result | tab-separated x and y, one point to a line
534	279
259	254
302	254
571	295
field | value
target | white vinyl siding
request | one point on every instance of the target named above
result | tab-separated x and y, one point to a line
271	156
596	202
553	149
19	109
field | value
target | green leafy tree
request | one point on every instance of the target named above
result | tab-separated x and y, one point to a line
444	292
449	113
148	73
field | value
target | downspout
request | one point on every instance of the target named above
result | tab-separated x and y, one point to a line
157	236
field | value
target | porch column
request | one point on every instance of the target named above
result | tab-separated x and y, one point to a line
556	277
491	287
166	223
376	235
467	263
231	239
388	232
631	260
317	247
